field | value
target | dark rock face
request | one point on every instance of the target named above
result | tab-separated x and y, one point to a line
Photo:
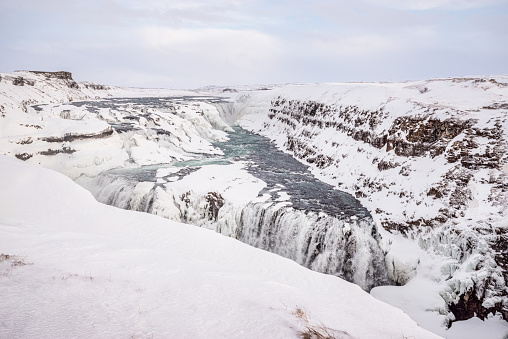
64	150
95	87
71	137
384	165
61	75
214	203
471	305
465	151
418	136
24	156
408	136
55	75
18	81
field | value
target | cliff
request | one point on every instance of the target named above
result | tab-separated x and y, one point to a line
428	158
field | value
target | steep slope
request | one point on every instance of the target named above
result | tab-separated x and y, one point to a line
427	158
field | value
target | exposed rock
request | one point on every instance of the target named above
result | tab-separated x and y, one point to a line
24	141
24	156
26	103
214	203
385	165
18	81
416	136
64	150
31	126
61	75
470	304
497	105
55	75
74	136
93	86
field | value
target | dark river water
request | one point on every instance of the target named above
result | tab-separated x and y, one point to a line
276	168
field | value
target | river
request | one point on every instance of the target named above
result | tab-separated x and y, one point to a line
318	226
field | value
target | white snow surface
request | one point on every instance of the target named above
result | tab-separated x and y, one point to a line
77	268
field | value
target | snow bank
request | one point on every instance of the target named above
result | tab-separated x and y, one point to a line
79	268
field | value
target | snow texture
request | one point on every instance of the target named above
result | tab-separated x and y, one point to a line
428	159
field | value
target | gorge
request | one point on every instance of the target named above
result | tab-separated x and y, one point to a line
412	187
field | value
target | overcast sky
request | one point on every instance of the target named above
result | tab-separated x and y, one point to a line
193	43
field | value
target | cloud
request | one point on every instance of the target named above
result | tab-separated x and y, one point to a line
190	43
238	48
422	5
351	46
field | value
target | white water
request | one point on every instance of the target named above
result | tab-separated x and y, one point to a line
346	247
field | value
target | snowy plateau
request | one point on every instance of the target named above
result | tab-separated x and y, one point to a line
337	210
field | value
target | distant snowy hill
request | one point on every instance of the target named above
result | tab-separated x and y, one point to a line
427	158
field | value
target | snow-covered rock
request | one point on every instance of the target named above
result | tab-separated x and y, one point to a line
427	158
45	119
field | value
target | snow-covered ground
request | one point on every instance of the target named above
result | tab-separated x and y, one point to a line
72	267
438	196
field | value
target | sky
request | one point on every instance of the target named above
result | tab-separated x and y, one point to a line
194	43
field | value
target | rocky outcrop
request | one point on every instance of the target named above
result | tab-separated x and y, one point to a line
408	136
69	137
214	203
62	75
95	87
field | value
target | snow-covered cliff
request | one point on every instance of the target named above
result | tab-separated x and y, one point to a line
428	158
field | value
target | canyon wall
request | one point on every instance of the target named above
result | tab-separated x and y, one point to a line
429	159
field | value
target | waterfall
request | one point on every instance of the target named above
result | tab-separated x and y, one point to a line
120	191
347	247
300	218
